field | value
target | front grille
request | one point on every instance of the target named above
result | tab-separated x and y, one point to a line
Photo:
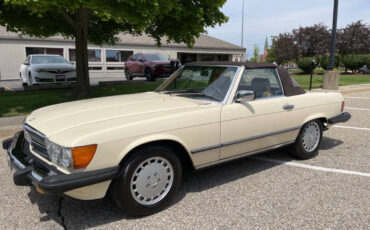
59	71
37	141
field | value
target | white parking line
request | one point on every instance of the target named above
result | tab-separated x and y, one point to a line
311	166
350	127
357	108
362	98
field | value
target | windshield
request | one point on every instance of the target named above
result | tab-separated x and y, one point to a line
155	57
48	59
200	82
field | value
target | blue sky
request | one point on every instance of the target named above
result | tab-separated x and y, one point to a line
270	17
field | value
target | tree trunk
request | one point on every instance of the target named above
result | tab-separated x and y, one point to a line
82	67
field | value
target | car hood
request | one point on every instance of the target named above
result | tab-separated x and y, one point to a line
57	118
61	66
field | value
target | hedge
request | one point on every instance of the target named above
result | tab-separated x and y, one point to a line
304	63
325	61
354	61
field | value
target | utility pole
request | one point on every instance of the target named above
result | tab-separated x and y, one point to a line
242	39
333	34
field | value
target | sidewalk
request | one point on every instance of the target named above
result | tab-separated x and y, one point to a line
348	89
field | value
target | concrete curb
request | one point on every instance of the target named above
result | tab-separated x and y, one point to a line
10	125
11	121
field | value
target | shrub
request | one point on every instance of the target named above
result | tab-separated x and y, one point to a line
304	63
325	61
367	61
354	61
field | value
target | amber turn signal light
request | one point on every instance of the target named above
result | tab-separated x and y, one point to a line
342	107
83	155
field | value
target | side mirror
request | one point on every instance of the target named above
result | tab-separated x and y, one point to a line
26	63
244	95
141	60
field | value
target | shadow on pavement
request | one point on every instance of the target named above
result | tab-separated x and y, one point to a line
87	214
329	143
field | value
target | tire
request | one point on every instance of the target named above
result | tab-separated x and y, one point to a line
128	74
148	74
21	78
30	79
308	141
153	172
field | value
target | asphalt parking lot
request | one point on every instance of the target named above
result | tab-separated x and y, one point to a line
266	191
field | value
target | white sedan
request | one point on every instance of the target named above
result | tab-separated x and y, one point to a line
46	68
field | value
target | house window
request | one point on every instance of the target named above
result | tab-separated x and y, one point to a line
94	55
222	57
115	68
95	68
41	50
117	55
207	57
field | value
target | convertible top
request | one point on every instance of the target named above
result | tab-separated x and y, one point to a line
290	88
251	65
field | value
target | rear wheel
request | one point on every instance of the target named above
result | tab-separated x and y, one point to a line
148	181
128	74
308	141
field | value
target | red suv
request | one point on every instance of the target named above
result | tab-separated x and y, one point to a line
147	65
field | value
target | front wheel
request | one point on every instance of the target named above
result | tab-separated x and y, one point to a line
148	181
30	80
128	74
308	141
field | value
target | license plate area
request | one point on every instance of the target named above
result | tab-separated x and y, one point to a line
60	77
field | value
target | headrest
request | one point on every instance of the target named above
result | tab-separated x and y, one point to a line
260	83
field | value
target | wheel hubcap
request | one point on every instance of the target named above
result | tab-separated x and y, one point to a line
152	180
311	136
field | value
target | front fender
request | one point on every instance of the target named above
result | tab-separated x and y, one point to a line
151	138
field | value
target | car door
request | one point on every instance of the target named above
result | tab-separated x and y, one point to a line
140	64
260	124
133	64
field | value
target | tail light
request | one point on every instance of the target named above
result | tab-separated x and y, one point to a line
342	106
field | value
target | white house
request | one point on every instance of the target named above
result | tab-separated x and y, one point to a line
109	60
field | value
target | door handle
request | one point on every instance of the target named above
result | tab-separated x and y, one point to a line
288	107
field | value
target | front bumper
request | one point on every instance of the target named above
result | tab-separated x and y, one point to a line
32	171
343	117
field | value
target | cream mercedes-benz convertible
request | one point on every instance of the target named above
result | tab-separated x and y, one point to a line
137	146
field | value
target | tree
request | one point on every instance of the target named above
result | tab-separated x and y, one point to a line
312	40
354	39
99	21
282	49
256	51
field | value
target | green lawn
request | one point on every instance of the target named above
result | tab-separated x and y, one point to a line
350	79
21	103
